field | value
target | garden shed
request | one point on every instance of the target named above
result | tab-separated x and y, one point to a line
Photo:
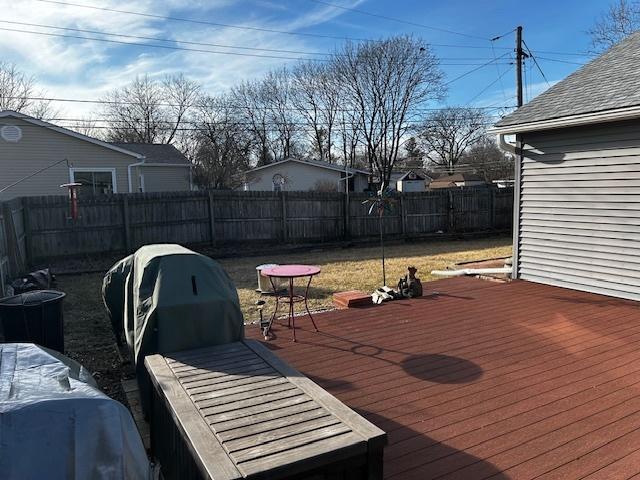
577	192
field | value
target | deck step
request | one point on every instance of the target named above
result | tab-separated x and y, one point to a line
351	299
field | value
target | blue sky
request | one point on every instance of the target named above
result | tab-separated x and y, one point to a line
81	68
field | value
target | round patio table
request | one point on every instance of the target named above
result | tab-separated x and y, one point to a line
290	272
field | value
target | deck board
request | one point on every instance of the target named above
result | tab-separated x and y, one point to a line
486	380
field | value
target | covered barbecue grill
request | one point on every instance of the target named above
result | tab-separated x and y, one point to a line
173	299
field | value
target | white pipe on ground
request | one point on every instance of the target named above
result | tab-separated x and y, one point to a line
470	271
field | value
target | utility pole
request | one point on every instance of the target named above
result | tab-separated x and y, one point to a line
520	56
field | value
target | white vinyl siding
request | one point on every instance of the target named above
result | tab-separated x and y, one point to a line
579	221
165	179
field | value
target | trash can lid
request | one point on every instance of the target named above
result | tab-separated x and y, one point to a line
37	297
266	265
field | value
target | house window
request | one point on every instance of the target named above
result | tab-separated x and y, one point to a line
94	181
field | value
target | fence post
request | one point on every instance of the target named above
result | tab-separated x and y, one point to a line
284	216
126	225
212	220
492	208
347	217
16	263
450	211
403	217
28	236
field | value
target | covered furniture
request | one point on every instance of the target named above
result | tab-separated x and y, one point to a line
173	299
56	423
238	411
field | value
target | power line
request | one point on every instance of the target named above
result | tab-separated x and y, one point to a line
187	42
490	85
284	32
560	61
197	50
536	63
495	59
166	47
577	54
201	22
397	20
474	70
219	105
158	39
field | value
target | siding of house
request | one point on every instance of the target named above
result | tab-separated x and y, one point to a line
300	177
165	179
579	217
411	186
41	147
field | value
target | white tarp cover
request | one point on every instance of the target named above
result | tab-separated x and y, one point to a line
55	423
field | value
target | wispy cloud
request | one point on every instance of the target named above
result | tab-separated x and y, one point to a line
79	68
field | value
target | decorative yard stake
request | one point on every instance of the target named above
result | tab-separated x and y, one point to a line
379	203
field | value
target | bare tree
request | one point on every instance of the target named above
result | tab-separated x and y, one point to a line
487	159
621	19
222	145
382	81
316	98
250	100
448	133
88	127
148	110
278	96
18	92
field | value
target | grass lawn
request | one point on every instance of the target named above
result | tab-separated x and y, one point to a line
88	334
360	268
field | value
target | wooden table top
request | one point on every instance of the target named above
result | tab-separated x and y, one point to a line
248	414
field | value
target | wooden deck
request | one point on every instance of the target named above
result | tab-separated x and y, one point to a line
486	380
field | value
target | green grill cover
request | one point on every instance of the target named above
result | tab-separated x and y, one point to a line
113	287
176	299
167	299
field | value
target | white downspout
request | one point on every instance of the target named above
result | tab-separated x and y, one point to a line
504	145
129	167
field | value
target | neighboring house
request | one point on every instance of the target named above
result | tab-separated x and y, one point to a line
295	174
457	180
41	156
577	194
412	181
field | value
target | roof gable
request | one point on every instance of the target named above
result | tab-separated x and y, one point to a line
412	175
610	81
65	131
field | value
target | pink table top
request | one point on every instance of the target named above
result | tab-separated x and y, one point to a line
291	271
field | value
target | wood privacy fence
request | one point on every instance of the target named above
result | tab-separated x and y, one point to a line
124	222
13	256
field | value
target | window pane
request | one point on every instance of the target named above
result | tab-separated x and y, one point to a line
93	183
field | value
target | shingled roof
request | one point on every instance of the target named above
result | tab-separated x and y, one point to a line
610	81
155	152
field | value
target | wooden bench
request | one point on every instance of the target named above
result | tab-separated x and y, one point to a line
238	411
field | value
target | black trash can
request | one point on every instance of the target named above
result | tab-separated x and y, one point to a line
34	317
